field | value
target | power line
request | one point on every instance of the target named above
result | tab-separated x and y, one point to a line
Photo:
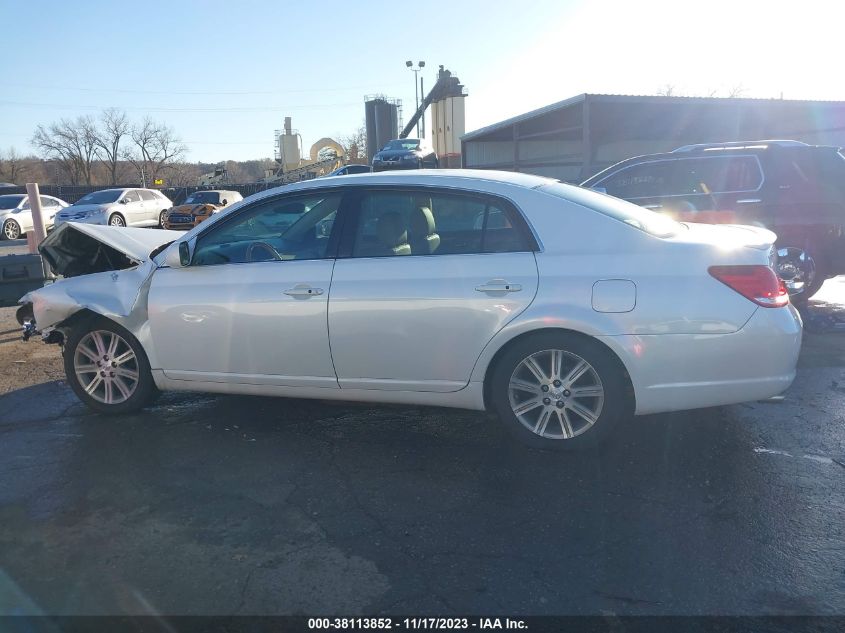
64	106
366	89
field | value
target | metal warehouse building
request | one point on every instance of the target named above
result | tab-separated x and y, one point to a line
576	138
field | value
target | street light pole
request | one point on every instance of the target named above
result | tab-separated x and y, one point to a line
417	90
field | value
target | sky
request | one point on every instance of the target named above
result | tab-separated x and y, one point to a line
224	75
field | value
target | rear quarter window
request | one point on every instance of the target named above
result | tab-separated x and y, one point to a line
632	215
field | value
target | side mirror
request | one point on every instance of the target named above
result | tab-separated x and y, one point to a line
178	255
123	201
225	202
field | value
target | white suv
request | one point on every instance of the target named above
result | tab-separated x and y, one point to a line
118	207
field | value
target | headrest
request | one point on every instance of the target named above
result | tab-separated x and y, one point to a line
391	230
422	222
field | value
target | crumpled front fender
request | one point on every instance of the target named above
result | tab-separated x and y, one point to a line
119	295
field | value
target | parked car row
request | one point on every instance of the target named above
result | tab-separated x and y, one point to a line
562	310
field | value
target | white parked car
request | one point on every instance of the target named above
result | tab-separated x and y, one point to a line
16	214
561	309
118	207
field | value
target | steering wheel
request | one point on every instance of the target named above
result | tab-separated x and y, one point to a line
261	246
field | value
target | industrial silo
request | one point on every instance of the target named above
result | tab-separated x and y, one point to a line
382	121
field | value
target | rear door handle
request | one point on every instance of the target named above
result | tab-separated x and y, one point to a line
498	285
303	290
748	201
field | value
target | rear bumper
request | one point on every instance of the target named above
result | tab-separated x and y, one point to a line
674	372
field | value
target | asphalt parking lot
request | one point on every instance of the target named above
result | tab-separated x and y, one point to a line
245	505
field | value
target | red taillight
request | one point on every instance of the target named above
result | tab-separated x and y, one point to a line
758	283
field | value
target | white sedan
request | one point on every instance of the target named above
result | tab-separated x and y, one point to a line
560	309
16	214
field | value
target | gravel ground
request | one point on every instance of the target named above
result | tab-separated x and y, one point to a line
25	364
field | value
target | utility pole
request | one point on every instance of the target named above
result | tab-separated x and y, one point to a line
417	90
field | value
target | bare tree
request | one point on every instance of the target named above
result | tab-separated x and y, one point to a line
356	145
736	91
13	167
156	146
668	90
113	127
72	143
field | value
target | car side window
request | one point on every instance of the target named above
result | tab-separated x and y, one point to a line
131	196
642	180
47	202
721	174
279	229
430	223
147	195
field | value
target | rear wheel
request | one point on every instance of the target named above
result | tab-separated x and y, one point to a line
801	272
161	217
117	220
107	368
11	230
558	391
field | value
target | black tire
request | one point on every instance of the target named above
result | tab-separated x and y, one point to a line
161	218
145	390
117	220
616	402
814	268
11	230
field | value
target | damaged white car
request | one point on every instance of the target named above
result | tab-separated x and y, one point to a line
562	310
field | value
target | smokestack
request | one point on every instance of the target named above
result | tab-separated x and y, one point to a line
287	125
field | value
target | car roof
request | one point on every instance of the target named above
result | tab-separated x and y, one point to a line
461	178
13	195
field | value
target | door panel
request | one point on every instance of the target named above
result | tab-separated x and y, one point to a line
418	323
241	323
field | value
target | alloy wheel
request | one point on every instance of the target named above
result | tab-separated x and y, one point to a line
12	230
796	268
556	394
106	367
116	220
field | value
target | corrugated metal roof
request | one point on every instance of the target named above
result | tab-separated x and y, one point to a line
630	99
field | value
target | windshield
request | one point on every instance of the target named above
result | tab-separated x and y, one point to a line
100	197
203	197
642	219
403	143
10	202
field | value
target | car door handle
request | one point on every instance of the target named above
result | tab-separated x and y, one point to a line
498	285
303	290
748	201
652	206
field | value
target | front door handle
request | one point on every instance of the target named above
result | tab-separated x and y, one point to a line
749	201
652	206
499	285
303	290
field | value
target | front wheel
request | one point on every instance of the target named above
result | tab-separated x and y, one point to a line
161	218
11	230
801	273
559	391
117	220
107	368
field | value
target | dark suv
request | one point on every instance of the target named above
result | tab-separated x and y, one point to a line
794	189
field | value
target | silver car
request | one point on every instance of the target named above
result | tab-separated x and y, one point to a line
561	309
118	207
16	214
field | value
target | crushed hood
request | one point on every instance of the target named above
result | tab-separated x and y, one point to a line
81	249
